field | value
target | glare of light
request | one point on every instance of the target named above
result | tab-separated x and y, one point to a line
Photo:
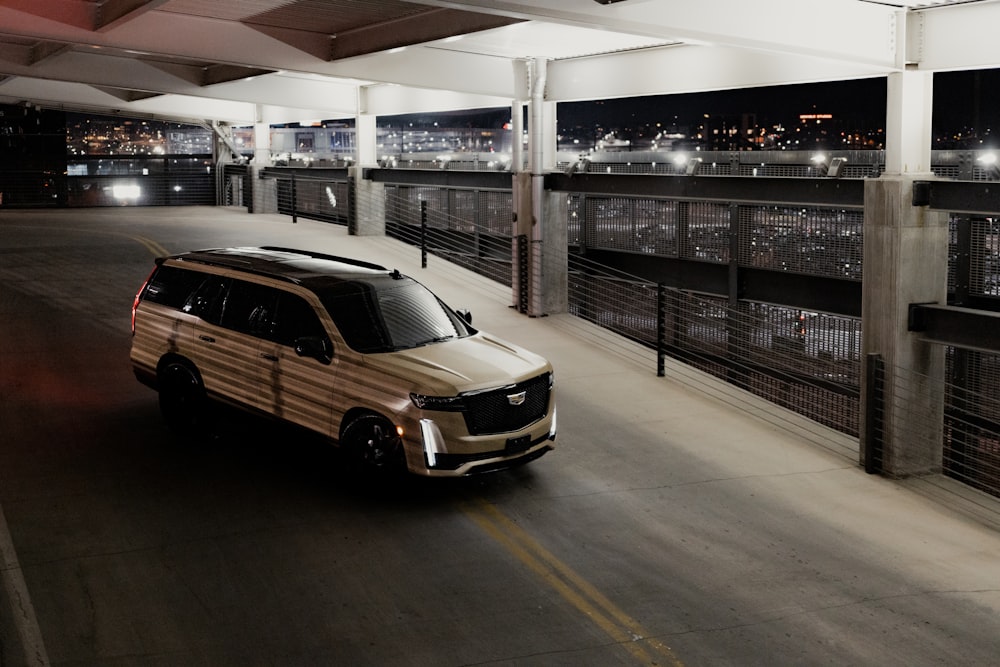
398	49
126	191
819	158
177	188
680	159
988	158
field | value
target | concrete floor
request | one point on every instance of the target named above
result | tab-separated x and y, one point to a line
670	525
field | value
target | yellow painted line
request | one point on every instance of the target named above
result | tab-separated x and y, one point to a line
576	590
152	246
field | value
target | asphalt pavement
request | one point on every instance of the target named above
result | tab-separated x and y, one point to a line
676	523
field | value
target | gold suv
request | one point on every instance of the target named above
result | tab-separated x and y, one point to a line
362	355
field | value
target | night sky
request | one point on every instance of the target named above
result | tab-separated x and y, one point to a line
961	100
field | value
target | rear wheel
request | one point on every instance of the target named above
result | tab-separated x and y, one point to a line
183	403
372	444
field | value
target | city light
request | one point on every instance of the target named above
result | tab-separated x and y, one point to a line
123	192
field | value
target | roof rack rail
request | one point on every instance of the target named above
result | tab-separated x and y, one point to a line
332	258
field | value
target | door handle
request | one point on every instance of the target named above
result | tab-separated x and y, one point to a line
207	339
269	357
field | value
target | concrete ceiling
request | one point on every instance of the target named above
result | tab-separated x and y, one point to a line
237	61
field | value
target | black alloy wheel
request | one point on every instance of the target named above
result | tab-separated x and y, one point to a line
372	444
183	403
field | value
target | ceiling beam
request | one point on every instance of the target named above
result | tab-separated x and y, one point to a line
955	37
687	69
419	28
85	14
860	32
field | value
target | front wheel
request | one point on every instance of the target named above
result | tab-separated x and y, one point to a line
183	403
372	444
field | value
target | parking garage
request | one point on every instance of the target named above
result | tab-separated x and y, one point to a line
675	276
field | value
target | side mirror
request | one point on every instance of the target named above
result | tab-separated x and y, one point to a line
314	347
465	315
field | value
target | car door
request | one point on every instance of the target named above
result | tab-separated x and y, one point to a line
219	354
298	383
224	344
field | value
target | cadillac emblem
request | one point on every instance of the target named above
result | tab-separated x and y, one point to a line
517	399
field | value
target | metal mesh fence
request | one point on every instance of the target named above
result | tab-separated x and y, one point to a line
471	228
960	408
810	240
806	362
985	257
111	181
629	224
971	447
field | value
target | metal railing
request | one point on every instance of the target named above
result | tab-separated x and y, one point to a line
734	300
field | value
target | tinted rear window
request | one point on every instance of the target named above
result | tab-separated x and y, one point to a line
171	286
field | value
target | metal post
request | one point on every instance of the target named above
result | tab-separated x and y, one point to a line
352	206
295	217
522	272
661	330
874	409
423	234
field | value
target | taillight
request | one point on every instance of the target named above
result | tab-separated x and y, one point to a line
138	297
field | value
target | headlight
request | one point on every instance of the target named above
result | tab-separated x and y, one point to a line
443	403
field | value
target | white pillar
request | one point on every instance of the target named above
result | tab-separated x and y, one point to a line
265	196
367	139
909	98
370	196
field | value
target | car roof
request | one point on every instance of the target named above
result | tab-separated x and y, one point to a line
298	266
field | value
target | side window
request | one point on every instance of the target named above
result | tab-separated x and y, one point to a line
208	300
296	319
250	309
171	286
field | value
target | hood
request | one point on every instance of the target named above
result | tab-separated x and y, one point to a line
462	364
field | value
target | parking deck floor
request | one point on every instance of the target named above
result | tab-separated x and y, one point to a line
676	522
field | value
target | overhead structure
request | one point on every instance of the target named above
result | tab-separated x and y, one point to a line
276	61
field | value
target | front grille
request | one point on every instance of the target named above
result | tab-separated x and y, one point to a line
493	411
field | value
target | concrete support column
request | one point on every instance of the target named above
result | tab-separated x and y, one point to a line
369	205
905	261
265	191
366	135
369	197
540	219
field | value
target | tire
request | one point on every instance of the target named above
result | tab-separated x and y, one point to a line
183	403
372	445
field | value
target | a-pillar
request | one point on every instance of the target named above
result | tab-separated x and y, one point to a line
905	261
540	274
368	214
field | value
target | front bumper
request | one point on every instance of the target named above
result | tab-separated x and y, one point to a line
522	448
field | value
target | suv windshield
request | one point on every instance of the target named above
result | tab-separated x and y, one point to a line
390	314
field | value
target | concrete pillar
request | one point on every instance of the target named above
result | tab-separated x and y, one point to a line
905	261
265	191
539	218
369	196
366	136
369	206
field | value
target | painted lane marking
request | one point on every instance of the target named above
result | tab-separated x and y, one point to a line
623	629
16	591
